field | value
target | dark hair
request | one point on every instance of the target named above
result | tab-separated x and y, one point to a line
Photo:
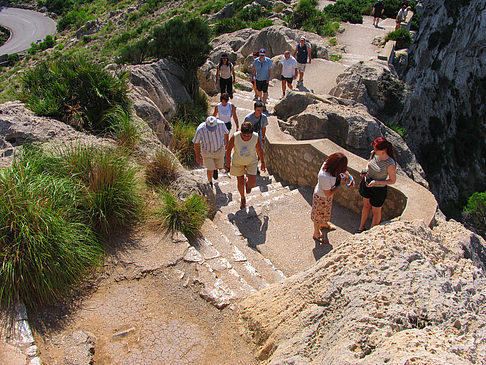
258	104
256	54
336	164
382	144
224	96
223	56
246	128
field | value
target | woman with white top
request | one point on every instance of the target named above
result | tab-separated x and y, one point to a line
224	74
380	172
225	110
328	182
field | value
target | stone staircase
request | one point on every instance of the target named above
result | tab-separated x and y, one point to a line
241	251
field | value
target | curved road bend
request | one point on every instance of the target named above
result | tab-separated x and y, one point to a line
26	26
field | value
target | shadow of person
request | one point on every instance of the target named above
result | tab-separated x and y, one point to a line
301	88
321	249
262	182
251	226
222	199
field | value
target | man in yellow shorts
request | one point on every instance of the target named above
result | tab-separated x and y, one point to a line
244	160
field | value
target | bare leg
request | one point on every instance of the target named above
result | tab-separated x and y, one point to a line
265	96
241	189
250	183
284	85
376	216
365	213
317	230
290	86
301	76
210	175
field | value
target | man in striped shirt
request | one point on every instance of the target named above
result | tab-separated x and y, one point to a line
209	141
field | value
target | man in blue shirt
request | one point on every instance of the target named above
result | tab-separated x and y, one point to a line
261	71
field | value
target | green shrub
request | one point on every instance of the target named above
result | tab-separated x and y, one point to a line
45	246
307	17
74	90
332	41
346	11
397	128
228	25
135	53
111	196
195	112
253	13
475	212
183	216
73	20
122	125
162	169
181	143
261	23
335	57
48	42
212	7
401	36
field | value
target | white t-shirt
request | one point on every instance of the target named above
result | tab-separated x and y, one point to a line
225	112
402	15
288	66
324	182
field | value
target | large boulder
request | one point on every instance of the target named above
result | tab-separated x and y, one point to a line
373	84
346	123
277	39
230	43
226	12
401	293
157	88
206	75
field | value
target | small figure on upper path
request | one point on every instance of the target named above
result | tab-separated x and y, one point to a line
247	150
209	141
402	15
258	120
380	172
226	75
303	54
261	70
288	71
330	177
377	12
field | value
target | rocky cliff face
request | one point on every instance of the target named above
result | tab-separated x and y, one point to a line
444	113
399	294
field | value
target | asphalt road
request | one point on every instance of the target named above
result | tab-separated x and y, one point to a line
26	26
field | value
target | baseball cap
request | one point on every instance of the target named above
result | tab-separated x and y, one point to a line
211	123
302	38
261	51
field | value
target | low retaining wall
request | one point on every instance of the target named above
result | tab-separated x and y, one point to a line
298	162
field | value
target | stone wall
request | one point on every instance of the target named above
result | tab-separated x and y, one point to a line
298	162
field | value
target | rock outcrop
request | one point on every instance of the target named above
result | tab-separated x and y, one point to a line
157	88
345	122
444	113
373	84
400	293
206	75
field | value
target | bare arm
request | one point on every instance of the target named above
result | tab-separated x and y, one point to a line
234	76
229	147
197	150
264	130
215	114
281	67
295	51
259	150
392	178
235	117
226	136
331	192
309	53
217	74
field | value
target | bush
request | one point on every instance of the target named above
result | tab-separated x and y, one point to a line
475	212
401	36
48	42
261	23
253	13
162	169
181	143
346	11
228	25
111	196
45	246
74	90
184	216
135	53
307	17
73	20
122	125
195	112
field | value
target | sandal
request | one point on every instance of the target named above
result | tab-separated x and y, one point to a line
243	203
321	239
361	230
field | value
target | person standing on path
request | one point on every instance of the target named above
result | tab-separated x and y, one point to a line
377	12
247	151
209	141
261	70
288	71
303	54
225	110
258	120
402	15
328	182
225	73
380	172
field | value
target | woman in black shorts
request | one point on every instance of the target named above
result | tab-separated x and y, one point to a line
380	172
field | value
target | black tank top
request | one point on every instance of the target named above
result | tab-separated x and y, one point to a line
302	54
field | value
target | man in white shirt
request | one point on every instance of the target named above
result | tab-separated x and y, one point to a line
401	16
288	71
209	141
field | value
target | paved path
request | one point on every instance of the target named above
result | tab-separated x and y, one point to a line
26	26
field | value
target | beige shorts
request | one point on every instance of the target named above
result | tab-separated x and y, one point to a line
240	170
301	66
213	160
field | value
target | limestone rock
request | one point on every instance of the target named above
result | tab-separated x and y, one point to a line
157	88
399	293
227	12
346	123
373	84
277	39
444	112
206	74
230	43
